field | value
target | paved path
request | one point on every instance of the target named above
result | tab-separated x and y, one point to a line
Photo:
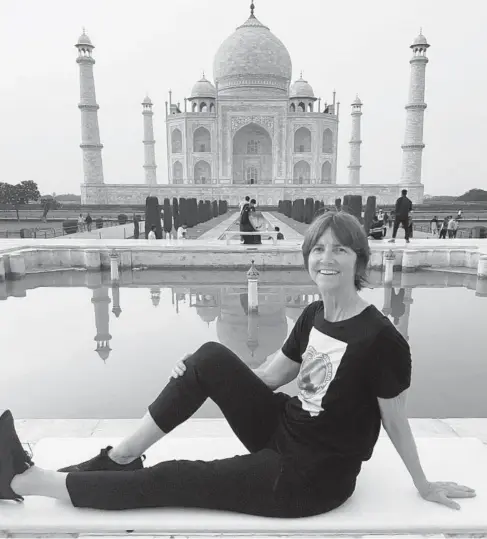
302	227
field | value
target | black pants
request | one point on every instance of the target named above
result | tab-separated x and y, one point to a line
405	223
243	483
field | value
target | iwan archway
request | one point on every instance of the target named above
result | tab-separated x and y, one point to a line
252	155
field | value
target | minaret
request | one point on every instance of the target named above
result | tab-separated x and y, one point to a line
101	301
90	132
413	138
149	143
355	142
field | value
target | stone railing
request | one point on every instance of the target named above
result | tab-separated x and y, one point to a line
94	255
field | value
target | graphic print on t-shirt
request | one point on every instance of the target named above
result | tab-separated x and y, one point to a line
321	360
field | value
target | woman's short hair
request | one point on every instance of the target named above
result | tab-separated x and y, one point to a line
349	232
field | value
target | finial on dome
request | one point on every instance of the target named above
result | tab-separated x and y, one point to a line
420	30
301	74
203	73
252	7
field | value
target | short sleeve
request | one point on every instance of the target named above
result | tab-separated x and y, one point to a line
391	364
297	341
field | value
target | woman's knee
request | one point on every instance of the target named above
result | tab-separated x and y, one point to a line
214	355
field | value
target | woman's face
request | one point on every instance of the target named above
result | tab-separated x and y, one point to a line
332	265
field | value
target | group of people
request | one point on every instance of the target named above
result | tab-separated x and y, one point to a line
402	215
449	225
247	207
181	232
247	210
85	222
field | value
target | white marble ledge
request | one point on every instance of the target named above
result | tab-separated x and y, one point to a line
250	536
32	430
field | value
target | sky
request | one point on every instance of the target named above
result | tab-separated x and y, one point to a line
151	46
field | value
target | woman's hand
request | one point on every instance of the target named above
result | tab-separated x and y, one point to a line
441	492
180	368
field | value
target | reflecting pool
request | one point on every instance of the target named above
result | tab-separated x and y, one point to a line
73	346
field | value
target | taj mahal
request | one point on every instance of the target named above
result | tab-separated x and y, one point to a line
251	132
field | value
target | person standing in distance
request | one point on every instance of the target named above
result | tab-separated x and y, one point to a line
403	208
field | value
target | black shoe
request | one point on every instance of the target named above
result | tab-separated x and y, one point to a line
103	463
14	459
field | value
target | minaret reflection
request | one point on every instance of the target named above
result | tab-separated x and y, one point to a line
400	307
116	310
155	295
101	301
386	309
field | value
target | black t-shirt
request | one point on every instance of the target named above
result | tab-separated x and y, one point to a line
403	206
345	366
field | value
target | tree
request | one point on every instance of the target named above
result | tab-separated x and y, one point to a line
370	209
49	203
153	216
167	216
474	195
19	194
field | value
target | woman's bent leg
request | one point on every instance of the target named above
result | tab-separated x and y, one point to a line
213	371
243	484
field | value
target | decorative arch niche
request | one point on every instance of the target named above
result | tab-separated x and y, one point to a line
302	140
176	141
326	172
202	172
301	172
327	141
177	171
201	140
252	155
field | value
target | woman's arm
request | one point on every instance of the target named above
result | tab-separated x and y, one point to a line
279	372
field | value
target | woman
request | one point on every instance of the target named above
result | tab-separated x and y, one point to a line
245	224
352	368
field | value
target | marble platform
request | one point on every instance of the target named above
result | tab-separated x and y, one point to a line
385	501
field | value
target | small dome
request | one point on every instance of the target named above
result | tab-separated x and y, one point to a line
420	40
84	40
147	101
104	352
357	101
203	88
301	88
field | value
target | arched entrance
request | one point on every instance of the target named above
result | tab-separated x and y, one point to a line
252	155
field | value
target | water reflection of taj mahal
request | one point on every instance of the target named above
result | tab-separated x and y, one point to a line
252	336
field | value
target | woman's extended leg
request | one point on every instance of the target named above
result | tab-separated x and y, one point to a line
214	371
243	484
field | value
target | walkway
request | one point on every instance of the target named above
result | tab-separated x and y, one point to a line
302	227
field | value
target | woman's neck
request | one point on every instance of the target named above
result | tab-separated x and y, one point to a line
343	305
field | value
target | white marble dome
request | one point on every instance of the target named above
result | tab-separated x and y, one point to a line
252	56
203	88
84	40
420	40
301	88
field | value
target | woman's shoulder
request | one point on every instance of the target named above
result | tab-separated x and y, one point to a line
386	333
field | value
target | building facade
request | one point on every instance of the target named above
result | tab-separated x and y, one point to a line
253	131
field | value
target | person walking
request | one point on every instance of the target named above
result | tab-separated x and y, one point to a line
81	223
387	223
402	211
304	452
444	228
434	226
451	227
88	222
